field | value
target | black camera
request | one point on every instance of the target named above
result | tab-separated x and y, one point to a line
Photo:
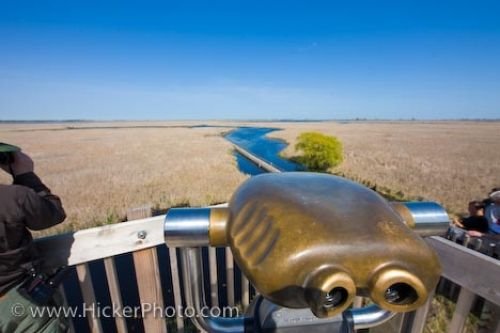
6	158
7	153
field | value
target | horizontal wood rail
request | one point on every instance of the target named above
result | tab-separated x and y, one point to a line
101	242
470	269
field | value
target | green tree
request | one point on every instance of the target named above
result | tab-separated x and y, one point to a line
318	152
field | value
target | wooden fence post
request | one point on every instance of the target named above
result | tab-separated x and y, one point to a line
462	309
148	279
89	299
176	285
212	263
114	292
230	276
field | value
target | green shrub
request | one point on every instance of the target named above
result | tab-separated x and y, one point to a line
318	152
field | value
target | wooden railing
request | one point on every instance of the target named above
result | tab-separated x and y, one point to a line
486	243
143	239
477	274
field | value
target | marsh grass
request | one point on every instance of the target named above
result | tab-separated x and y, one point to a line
448	162
101	169
100	173
440	316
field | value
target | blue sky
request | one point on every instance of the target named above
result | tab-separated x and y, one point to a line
249	59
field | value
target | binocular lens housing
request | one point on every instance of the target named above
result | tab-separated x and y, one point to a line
315	240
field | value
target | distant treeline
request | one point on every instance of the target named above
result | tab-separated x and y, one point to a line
248	120
45	121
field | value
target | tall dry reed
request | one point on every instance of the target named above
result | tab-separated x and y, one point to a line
449	162
100	173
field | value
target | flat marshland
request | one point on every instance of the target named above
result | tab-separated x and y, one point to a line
448	162
102	169
100	173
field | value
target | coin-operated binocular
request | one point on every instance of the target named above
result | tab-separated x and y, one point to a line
310	243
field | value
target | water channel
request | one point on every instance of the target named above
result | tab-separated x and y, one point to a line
256	141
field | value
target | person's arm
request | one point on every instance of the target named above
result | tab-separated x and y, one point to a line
41	208
458	222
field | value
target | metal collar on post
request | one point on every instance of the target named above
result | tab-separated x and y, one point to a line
187	227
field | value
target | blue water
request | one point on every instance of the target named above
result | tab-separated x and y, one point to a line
255	141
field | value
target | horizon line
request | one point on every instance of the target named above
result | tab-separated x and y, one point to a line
49	121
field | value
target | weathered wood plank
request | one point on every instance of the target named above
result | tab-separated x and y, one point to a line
496	318
230	276
150	291
470	269
420	316
466	240
490	318
462	309
101	242
260	162
114	293
176	285
88	295
212	260
402	322
391	326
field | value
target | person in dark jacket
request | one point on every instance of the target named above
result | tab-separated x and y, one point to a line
25	205
476	222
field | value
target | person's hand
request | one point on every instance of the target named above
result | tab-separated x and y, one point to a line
457	221
22	164
474	233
